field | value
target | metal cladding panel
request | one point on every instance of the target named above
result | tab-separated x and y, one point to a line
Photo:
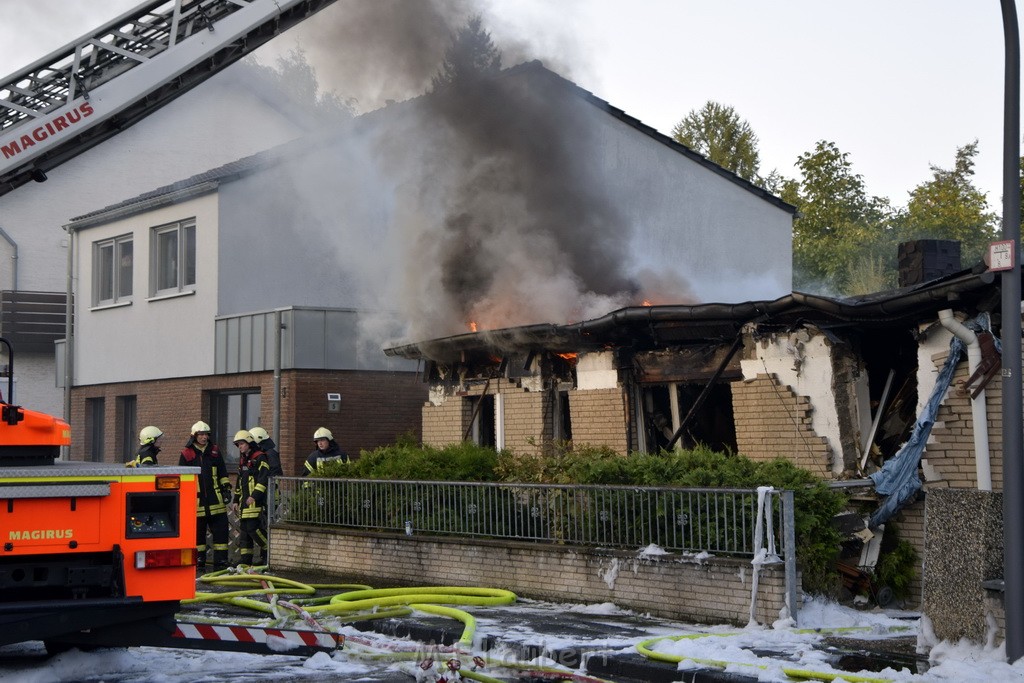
325	339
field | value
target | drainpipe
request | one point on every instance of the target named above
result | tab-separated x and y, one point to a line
14	259
978	410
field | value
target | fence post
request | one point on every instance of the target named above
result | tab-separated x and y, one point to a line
270	510
789	538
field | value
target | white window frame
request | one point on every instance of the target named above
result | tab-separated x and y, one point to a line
181	258
112	271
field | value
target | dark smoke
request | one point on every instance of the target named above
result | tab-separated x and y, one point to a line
501	210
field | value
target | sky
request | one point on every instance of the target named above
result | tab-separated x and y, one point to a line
899	85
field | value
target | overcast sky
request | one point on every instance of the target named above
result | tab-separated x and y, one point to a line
898	84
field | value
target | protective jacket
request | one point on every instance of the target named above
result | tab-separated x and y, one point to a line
214	484
273	456
145	456
317	458
253	473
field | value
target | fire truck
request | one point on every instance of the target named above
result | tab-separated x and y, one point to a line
97	553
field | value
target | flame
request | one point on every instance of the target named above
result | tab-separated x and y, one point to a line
472	326
646	303
567	356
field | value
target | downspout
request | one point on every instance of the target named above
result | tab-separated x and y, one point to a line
979	413
69	331
14	259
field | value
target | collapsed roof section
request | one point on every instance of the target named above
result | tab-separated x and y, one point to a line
652	327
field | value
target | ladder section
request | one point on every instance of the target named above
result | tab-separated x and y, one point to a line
110	78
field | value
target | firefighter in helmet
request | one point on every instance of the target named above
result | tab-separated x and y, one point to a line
327	450
213	494
149	437
267	445
251	495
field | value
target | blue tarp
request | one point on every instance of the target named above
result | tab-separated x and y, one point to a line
898	478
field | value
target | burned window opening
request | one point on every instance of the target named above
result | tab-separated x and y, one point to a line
481	429
712	426
895	352
561	417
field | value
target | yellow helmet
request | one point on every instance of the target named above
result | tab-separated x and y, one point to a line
259	433
200	427
149	435
323	433
242	435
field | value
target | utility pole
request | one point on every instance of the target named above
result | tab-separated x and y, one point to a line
1013	413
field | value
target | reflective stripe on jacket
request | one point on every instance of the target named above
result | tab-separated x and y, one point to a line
253	474
214	485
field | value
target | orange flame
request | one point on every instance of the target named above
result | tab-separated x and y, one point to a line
646	303
472	326
567	356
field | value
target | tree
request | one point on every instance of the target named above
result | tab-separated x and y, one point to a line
950	207
839	230
295	78
471	55
717	132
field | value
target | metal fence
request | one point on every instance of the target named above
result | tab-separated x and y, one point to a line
719	521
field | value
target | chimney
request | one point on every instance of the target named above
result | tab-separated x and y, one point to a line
924	260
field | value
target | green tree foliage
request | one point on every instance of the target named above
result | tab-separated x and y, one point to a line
950	207
296	78
470	56
717	132
837	226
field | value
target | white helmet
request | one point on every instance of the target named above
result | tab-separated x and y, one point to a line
242	435
200	427
149	435
259	433
323	433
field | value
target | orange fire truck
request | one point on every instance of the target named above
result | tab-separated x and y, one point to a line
96	553
86	545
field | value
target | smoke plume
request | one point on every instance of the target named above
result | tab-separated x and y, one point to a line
495	211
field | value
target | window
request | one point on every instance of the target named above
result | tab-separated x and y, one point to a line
233	411
129	427
173	258
94	416
112	268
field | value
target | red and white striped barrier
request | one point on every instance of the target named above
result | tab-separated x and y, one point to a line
274	638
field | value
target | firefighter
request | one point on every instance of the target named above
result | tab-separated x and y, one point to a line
213	495
250	495
149	439
327	450
267	445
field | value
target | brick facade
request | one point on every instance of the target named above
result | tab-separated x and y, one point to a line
711	591
376	408
527	415
950	448
772	421
600	418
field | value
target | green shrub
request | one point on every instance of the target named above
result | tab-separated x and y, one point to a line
897	565
409	461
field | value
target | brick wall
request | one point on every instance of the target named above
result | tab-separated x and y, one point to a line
376	408
528	423
711	591
772	421
445	424
599	418
950	448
